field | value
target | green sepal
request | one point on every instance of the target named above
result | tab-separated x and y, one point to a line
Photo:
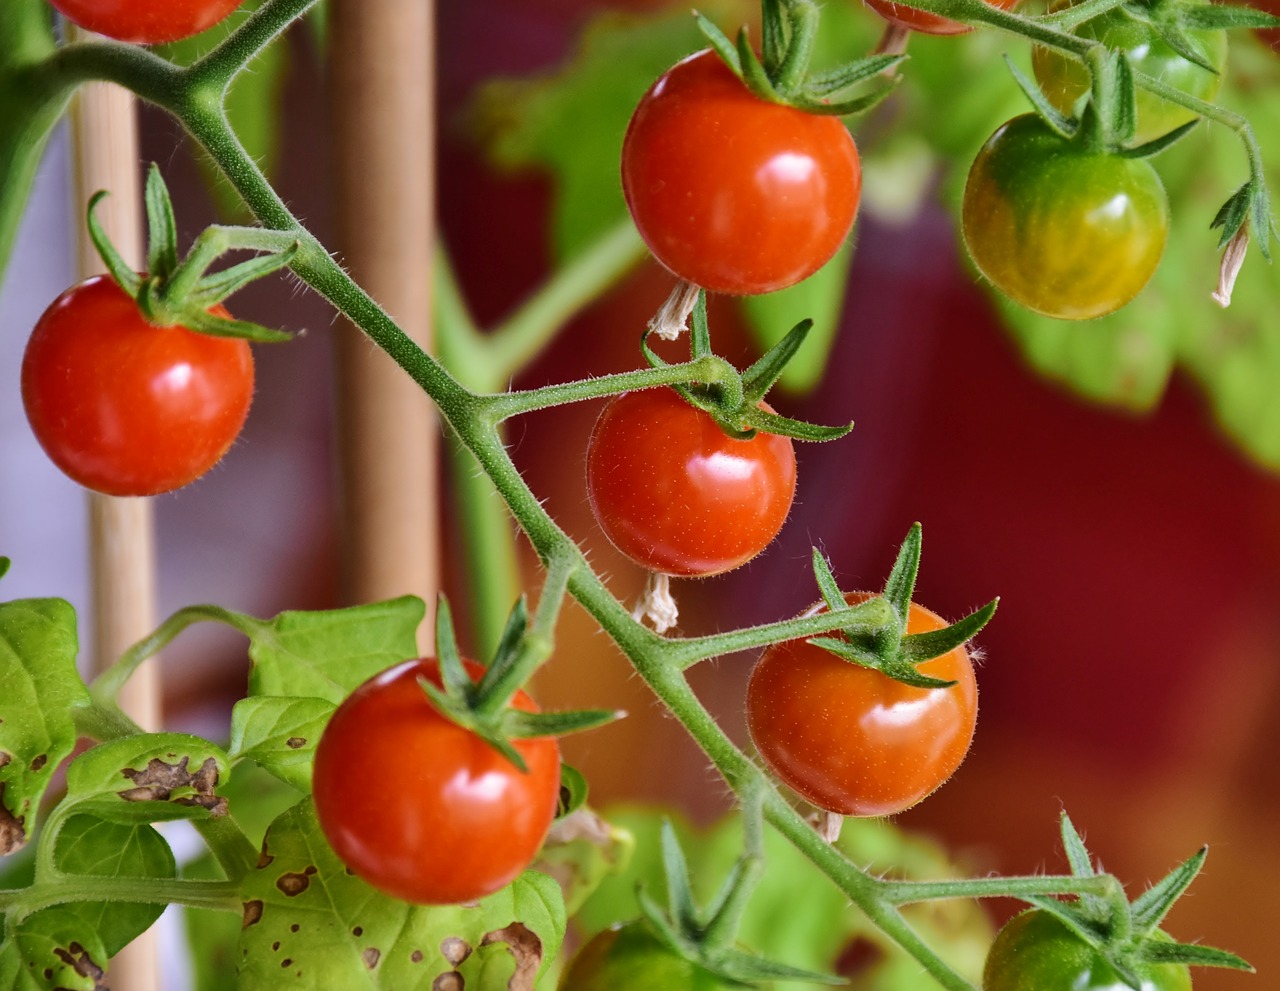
791	75
1058	122
773	35
919	647
773	423
699	328
119	269
753	74
1093	908
162	226
458	685
218	286
461	714
832	81
508	650
1150	908
761	376
844	108
1171	34
827	585
850	652
680	901
1212	16
1124	108
1157	145
1191	954
901	583
206	323
1233	213
720	43
528	725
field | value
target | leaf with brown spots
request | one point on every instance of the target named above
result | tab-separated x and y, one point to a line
39	688
337	932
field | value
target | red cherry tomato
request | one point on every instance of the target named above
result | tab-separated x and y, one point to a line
678	495
852	740
730	192
922	20
125	407
421	808
146	22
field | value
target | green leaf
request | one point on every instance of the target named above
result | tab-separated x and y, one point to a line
148	777
280	734
326	654
310	921
88	845
39	686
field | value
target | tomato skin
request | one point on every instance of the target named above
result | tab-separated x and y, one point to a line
421	808
925	22
146	22
629	957
676	494
730	192
1034	951
127	408
1064	79
1065	231
852	740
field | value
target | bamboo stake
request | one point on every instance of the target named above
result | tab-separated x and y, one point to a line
121	552
382	78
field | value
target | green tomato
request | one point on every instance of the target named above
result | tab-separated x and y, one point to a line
1065	230
1064	78
630	956
1035	951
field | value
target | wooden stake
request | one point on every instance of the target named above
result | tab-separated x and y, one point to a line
121	553
382	77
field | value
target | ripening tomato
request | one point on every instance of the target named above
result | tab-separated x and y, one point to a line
1063	229
125	407
678	495
421	808
1035	951
146	22
853	741
733	193
1064	79
922	20
629	956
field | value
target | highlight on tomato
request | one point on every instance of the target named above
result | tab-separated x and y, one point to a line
1064	79
922	20
731	192
421	808
125	407
852	740
146	22
1064	229
678	495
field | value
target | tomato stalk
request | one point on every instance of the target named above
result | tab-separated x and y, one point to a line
62	889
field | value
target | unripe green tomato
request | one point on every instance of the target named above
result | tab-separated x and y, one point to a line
1063	229
1035	951
1064	78
630	958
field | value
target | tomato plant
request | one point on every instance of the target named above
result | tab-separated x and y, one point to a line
852	740
762	206
1063	229
1065	79
922	20
1036	950
629	957
125	407
678	495
146	22
422	808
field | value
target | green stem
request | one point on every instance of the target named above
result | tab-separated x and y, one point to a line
68	889
909	892
214	72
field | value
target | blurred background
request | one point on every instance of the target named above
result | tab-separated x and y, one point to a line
1113	482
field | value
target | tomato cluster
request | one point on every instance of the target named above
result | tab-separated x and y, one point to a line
146	22
127	408
852	740
422	808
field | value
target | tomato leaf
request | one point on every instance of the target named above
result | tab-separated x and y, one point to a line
326	654
148	777
39	689
279	734
308	919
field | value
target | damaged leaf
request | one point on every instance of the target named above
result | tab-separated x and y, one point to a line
39	686
336	931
